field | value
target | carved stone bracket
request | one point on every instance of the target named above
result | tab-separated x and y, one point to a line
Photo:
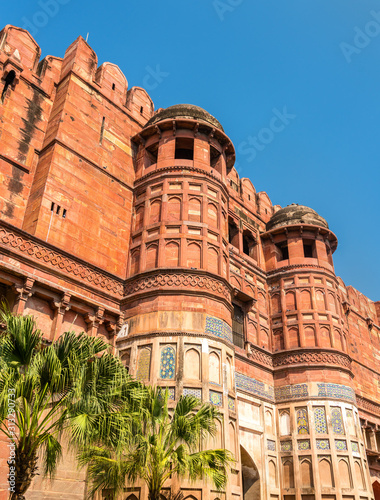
94	320
22	294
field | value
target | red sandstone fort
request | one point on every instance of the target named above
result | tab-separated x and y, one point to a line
133	225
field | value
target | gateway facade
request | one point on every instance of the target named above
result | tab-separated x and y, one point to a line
133	225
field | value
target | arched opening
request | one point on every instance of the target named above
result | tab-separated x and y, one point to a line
233	233
376	489
250	476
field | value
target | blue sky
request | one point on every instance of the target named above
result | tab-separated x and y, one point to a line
244	61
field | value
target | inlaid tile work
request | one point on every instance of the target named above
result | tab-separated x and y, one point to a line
290	392
302	421
167	364
219	328
341	444
216	398
286	446
320	420
323	444
190	391
253	386
271	445
304	444
336	391
336	420
143	364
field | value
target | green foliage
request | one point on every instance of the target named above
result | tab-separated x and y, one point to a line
73	387
162	444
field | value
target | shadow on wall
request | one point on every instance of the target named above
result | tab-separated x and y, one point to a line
251	478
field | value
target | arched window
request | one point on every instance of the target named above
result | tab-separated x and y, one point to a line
139	218
192	364
344	474
214	368
171	254
233	233
151	256
155	211
174	209
249	245
195	206
306	474
272	474
325	473
288	474
284	424
194	256
212	260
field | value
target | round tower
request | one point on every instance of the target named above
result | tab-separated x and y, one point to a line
177	304
319	440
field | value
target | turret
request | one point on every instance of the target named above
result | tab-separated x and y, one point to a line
177	304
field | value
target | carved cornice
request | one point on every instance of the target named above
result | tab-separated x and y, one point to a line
312	357
258	355
369	406
33	249
176	280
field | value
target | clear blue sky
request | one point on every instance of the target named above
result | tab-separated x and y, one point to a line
242	59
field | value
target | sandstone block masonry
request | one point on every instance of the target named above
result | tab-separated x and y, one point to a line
132	224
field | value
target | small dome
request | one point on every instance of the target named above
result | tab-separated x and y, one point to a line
296	214
187	111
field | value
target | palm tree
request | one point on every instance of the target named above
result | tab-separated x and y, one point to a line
163	444
74	386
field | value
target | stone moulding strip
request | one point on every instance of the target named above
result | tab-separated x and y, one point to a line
173	168
368	406
15	163
125	341
296	392
177	279
15	240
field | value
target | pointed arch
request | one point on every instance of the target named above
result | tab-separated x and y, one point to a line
139	217
276	303
212	260
359	475
195	209
212	215
306	471
135	261
174	209
344	474
305	298
288	473
293	337
309	336
155	212
151	256
171	254
192	364
214	368
272	474
325	473
251	477
290	301
284	423
194	255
